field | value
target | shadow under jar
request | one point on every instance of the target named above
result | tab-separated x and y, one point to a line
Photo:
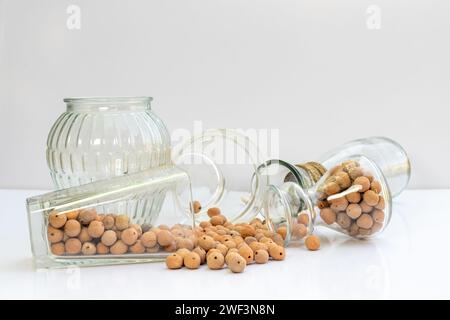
102	137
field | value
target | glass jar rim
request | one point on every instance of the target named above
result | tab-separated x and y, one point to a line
121	99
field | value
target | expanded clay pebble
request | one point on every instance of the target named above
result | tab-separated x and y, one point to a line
54	235
129	236
171	247
277	252
282	231
218	220
299	230
365	208
72	214
222	248
192	260
247	253
174	261
109	237
236	263
165	238
72	228
303	218
56	219
96	229
149	239
363	182
119	247
331	188
137	248
354	211
249	240
354	197
215	261
86	216
137	227
88	248
261	256
213	212
122	222
201	253
58	249
339	204
343	179
102	249
72	246
184	243
183	252
196	205
108	222
343	220
208	243
378	215
375	186
258	246
381	204
365	221
371	198
84	235
312	242
328	215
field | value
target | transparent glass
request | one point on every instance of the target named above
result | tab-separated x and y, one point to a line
351	196
103	137
107	221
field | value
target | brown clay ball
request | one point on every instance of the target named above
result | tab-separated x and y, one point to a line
72	214
312	242
215	261
165	238
261	256
196	205
56	219
328	215
371	198
129	236
58	249
363	182
378	215
208	243
381	204
365	208
213	212
122	222
375	186
102	249
247	253
218	220
236	263
118	248
192	260
96	229
73	246
149	239
108	222
299	230
174	261
72	228
354	211
54	235
84	235
303	218
354	197
339	204
88	248
331	188
343	180
343	220
137	248
201	253
365	221
277	252
109	237
86	216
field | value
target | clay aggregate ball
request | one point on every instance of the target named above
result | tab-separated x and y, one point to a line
72	228
86	216
174	261
56	219
192	260
312	242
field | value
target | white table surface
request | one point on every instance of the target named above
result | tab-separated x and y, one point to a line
411	259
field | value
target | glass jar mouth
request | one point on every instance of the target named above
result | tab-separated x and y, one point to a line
107	103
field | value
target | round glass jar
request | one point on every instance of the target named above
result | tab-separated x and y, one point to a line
98	138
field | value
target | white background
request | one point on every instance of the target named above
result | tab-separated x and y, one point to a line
312	69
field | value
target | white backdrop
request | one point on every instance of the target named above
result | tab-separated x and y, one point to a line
318	70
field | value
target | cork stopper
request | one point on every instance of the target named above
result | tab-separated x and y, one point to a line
314	170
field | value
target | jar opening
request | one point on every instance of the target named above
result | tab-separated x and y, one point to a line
107	103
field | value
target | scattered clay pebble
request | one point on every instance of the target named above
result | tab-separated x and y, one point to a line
215	261
56	219
261	256
129	236
282	231
249	240
54	235
102	249
84	235
86	216
196	206
328	215
192	260
72	214
149	239
247	253
354	197
213	212
363	182
208	243
119	247
375	186
201	253
137	248
276	252
58	249
96	229
165	238
258	246
365	221
72	228
378	215
183	252
312	242
222	248
354	211
122	222
109	237
218	220
108	222
371	198
88	248
174	261
236	263
73	246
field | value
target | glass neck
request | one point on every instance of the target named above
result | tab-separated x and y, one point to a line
102	104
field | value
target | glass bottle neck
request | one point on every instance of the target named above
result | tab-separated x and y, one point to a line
105	104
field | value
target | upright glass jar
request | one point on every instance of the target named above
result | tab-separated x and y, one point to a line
103	137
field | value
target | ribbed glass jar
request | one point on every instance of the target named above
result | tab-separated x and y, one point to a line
98	138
